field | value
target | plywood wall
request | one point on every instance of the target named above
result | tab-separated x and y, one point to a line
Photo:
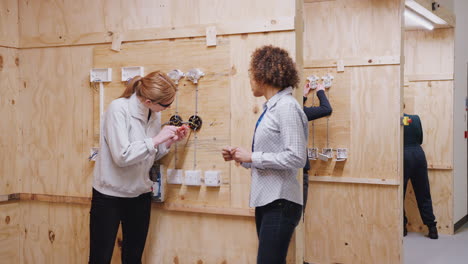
429	94
348	218
10	228
9	24
9	96
58	121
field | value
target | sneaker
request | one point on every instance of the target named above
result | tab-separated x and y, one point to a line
433	232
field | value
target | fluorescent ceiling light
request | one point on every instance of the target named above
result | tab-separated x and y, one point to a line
425	12
418	19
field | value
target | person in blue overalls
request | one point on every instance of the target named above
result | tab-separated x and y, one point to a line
415	169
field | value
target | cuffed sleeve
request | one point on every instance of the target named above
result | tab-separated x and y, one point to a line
257	160
246	165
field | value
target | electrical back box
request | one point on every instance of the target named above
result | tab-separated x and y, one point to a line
129	72
192	178
100	75
174	176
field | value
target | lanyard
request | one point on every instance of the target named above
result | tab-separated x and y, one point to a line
256	125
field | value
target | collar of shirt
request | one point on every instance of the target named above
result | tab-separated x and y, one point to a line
137	109
273	100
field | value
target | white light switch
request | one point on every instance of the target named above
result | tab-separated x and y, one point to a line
212	178
174	176
192	178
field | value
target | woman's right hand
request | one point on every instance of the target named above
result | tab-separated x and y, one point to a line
320	87
306	89
227	153
166	133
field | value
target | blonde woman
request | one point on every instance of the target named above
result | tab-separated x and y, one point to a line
131	139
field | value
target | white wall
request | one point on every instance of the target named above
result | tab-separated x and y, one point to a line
460	8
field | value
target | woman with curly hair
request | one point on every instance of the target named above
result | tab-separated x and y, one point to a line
278	151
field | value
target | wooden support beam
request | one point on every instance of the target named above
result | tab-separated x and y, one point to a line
429	77
354	180
225	28
48	198
205	209
352	62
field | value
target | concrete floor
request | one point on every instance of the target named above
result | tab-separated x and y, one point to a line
419	249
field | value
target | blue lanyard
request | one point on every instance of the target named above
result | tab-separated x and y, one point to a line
256	125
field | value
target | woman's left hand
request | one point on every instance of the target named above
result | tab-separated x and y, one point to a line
181	133
241	155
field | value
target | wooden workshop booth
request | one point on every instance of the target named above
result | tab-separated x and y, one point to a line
50	121
429	92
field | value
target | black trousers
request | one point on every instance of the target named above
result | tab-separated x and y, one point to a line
415	169
276	222
107	212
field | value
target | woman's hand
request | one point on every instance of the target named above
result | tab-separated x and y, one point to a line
306	89
320	87
226	152
166	133
241	155
180	134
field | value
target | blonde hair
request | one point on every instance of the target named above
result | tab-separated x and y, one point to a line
156	86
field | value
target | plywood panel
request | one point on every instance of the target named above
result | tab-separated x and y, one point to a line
54	233
9	83
203	239
56	118
358	97
366	102
351	28
10	233
352	224
53	22
213	105
429	52
433	102
441	182
9	27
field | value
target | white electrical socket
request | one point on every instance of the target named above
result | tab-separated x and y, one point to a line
192	178
130	72
174	176
212	178
100	75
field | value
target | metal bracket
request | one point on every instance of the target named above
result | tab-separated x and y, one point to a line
312	153
194	75
176	75
328	80
313	81
327	153
341	154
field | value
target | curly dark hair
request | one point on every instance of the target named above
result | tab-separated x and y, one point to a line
273	66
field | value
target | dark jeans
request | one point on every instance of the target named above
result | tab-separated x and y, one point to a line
415	169
107	212
276	222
